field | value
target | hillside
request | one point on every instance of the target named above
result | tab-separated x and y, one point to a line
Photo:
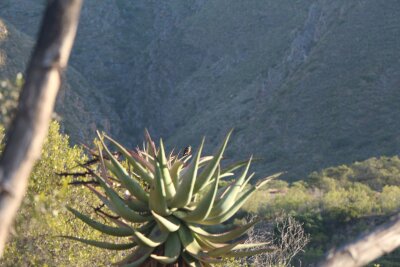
306	84
78	104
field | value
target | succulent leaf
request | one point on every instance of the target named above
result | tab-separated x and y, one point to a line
167	224
134	161
236	165
231	209
119	205
211	167
102	198
156	237
109	230
131	184
104	245
137	205
136	258
172	250
188	241
166	202
205	205
158	201
230	196
188	180
190	261
165	174
226	236
175	171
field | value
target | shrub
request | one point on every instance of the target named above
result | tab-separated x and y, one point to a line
43	217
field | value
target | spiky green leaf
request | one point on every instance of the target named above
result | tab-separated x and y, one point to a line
106	229
185	190
101	244
167	224
165	174
172	250
211	167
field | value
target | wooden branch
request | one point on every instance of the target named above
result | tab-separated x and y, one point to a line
383	240
29	128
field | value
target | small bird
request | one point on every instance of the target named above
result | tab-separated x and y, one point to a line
187	151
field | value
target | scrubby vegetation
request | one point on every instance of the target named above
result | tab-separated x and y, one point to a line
336	203
280	86
332	206
9	92
43	218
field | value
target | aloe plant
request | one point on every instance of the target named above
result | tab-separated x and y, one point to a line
169	201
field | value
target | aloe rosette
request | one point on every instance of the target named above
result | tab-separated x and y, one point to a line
169	200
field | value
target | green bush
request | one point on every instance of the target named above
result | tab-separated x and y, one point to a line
43	217
9	92
336	203
389	200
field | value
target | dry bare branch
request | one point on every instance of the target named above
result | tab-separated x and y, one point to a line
25	138
286	234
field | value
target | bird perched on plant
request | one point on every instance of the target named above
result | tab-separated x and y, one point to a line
187	151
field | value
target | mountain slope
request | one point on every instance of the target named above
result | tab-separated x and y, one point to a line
330	99
306	84
78	103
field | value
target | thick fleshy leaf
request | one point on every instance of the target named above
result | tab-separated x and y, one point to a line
190	261
225	236
136	258
157	200
139	164
131	184
205	205
204	160
137	205
267	179
119	205
235	206
104	245
167	224
211	167
175	171
165	174
102	197
186	186
229	197
106	229
205	244
236	165
144	163
156	237
172	250
150	144
188	241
